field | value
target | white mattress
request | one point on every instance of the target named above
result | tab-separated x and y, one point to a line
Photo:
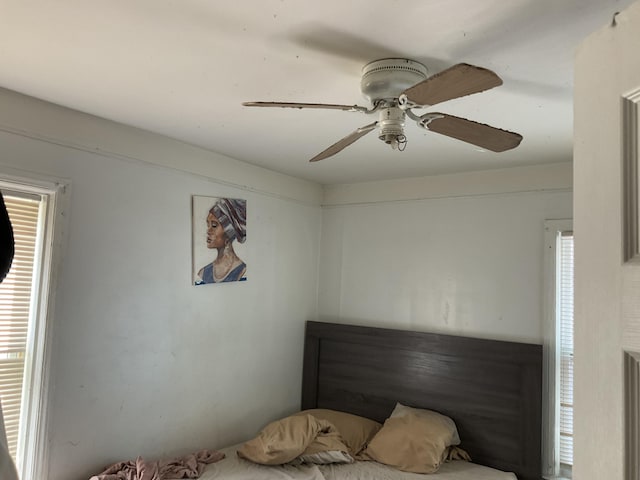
234	468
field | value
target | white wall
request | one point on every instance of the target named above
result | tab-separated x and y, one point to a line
146	364
143	363
606	290
464	257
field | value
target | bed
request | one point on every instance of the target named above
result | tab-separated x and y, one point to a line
491	389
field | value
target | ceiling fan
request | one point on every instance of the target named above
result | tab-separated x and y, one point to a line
397	86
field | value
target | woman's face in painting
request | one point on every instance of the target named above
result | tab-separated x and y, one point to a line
216	238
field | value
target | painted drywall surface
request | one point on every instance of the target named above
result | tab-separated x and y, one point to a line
506	180
37	119
144	363
607	66
469	265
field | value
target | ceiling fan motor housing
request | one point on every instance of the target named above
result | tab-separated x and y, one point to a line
386	79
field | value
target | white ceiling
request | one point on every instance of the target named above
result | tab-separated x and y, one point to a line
182	68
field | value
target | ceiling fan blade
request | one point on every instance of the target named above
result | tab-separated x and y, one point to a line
350	108
345	142
478	134
457	81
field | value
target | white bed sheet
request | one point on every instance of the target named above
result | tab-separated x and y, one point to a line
234	468
456	470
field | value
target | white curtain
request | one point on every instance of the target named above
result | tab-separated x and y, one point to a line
7	469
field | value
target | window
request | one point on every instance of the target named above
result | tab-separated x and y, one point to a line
564	314
558	350
15	307
24	296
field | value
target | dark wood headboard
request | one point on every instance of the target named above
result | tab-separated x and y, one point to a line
491	389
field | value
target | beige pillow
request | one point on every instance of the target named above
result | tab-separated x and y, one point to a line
401	410
297	439
356	431
413	441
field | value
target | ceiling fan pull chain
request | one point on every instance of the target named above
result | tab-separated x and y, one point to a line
402	143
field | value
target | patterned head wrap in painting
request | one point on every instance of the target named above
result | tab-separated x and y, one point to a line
232	215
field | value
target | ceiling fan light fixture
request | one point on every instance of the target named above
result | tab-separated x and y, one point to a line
396	142
391	127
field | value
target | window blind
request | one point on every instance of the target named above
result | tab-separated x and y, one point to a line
15	302
565	342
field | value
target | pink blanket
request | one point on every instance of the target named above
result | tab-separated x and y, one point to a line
189	466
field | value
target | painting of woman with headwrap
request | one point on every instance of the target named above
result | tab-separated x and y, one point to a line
218	224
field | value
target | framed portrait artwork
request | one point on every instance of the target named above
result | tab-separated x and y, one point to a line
219	230
630	175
